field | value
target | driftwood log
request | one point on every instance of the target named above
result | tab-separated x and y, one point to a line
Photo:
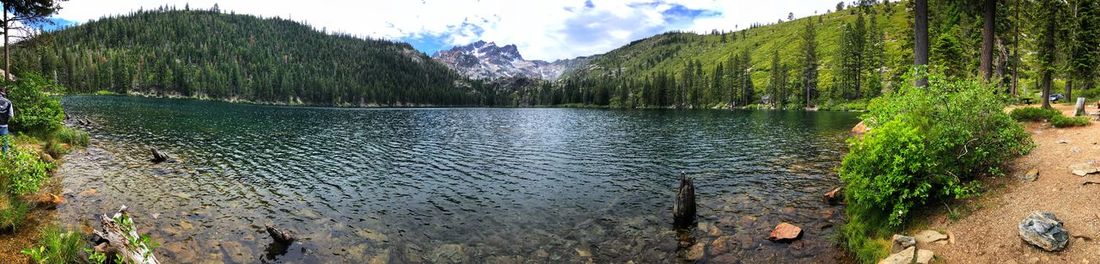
683	212
118	240
158	156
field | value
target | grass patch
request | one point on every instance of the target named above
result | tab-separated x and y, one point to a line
71	136
14	213
57	247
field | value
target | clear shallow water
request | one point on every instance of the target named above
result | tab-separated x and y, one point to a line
456	185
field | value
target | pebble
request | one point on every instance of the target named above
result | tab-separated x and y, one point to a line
697	251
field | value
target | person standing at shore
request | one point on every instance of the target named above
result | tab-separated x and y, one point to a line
7	112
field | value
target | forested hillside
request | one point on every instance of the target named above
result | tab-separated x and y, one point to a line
736	68
237	57
843	57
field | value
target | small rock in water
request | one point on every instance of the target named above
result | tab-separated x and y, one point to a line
720	245
902	242
1044	230
584	252
904	257
785	231
279	236
929	236
697	251
450	253
833	197
88	192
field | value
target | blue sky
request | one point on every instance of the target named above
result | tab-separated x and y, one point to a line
542	29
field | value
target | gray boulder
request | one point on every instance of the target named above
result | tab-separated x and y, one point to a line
1044	230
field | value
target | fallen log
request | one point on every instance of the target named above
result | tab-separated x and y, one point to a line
122	239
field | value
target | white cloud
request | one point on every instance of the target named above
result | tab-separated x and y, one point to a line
548	29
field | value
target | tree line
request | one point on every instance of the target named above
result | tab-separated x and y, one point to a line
207	53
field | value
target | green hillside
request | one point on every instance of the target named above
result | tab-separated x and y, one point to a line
672	53
209	54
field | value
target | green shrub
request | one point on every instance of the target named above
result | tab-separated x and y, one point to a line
1064	121
21	171
1033	114
57	246
71	136
12	217
923	145
36	110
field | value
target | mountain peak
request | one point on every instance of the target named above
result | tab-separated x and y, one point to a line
482	59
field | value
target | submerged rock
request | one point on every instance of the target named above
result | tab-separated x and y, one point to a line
1044	230
697	251
449	253
785	231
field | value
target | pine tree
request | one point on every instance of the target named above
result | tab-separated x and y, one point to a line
810	63
1086	43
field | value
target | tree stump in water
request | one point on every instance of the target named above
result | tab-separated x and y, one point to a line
119	235
158	157
683	212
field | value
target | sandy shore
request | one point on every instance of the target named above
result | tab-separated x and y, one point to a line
986	231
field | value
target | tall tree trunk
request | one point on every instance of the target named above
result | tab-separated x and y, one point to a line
1016	52
1069	90
920	41
7	50
1046	82
989	13
1048	48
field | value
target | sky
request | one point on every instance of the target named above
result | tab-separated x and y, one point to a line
541	29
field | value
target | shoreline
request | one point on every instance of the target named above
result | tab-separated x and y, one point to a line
753	107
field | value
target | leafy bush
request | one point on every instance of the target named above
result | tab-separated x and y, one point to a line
21	172
923	145
57	247
1064	121
36	110
12	217
1033	114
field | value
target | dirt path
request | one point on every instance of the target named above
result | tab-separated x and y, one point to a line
987	231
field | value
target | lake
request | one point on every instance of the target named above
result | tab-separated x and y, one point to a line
456	185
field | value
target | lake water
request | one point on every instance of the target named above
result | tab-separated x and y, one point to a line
456	185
